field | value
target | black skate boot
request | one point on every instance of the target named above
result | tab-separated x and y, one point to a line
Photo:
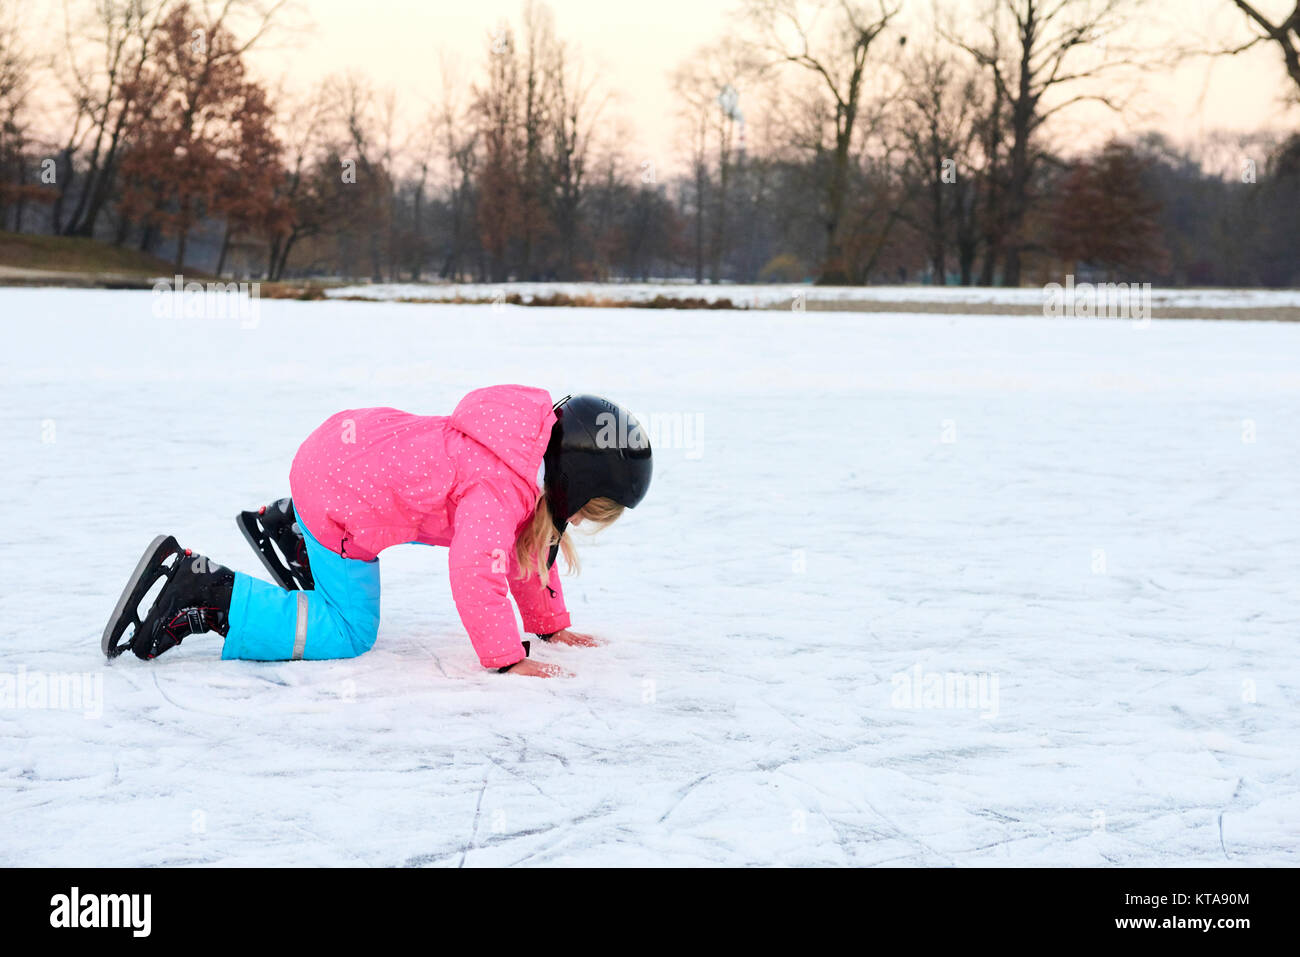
276	536
195	598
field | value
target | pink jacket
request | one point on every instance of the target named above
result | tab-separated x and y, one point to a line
371	478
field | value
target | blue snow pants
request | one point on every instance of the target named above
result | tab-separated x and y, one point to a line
339	618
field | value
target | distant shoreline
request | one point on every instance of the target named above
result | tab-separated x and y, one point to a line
1271	305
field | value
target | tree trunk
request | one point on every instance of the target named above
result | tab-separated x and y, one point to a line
834	271
699	223
720	217
22	200
1011	271
66	176
182	236
417	265
103	182
225	249
283	262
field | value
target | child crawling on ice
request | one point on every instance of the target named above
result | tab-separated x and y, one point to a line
498	482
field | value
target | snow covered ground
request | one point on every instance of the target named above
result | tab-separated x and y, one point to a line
759	296
909	590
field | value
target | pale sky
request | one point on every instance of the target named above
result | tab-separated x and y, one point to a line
397	43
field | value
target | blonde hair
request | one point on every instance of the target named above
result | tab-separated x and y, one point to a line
533	547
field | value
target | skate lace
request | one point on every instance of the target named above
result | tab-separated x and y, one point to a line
192	621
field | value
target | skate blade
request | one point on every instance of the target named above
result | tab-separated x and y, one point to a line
257	537
151	567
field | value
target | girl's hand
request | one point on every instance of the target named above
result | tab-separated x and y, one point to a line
539	669
576	639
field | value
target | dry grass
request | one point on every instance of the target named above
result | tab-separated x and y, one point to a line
22	255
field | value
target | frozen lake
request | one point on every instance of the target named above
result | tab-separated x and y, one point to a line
908	590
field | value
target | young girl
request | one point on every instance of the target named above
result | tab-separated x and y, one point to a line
498	482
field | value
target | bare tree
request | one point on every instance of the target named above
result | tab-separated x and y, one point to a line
364	120
17	66
1285	33
574	112
497	106
424	151
537	67
459	139
794	32
1027	70
301	133
939	124
711	86
696	107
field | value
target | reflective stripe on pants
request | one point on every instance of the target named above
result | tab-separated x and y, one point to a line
300	635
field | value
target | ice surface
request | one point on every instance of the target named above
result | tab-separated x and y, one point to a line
1096	523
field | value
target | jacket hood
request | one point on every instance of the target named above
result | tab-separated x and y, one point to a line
512	421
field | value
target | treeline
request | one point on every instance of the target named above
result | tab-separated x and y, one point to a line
820	142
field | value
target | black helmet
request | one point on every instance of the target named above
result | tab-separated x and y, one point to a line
597	450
